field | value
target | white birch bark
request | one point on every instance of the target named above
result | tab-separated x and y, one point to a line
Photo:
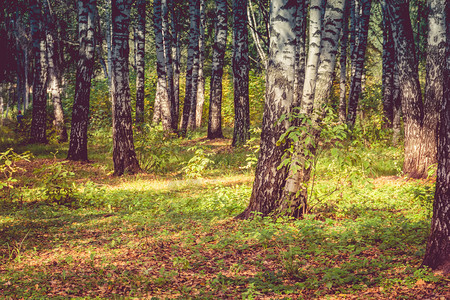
190	99
269	181
411	96
162	90
85	68
215	102
201	62
241	67
434	87
315	33
140	60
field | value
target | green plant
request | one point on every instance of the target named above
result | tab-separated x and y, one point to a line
195	167
57	185
154	149
252	145
8	167
15	252
424	195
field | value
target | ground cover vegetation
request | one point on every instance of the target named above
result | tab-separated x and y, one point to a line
210	150
70	229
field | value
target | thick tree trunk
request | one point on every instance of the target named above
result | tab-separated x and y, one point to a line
85	69
190	99
140	60
215	102
269	180
201	61
295	195
54	74
358	60
163	96
124	155
241	66
434	87
343	64
411	96
437	255
39	116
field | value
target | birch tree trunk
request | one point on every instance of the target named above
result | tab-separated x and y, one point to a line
255	34
315	34
343	64
388	68
300	57
176	56
201	61
108	35
167	40
162	91
156	107
190	99
434	87
295	195
54	73
124	155
397	102
437	255
39	115
411	96
85	70
220	41
269	181
241	66
358	60
140	60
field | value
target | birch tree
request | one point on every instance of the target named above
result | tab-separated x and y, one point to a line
220	40
295	193
124	155
140	59
39	115
434	88
162	90
241	66
279	191
85	69
54	73
300	57
176	57
343	64
269	181
358	59
437	255
411	97
190	99
388	68
201	62
167	40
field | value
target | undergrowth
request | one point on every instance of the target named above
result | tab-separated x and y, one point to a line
72	230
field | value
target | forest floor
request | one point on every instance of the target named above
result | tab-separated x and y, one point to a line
70	229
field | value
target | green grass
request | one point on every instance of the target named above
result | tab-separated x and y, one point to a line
167	234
